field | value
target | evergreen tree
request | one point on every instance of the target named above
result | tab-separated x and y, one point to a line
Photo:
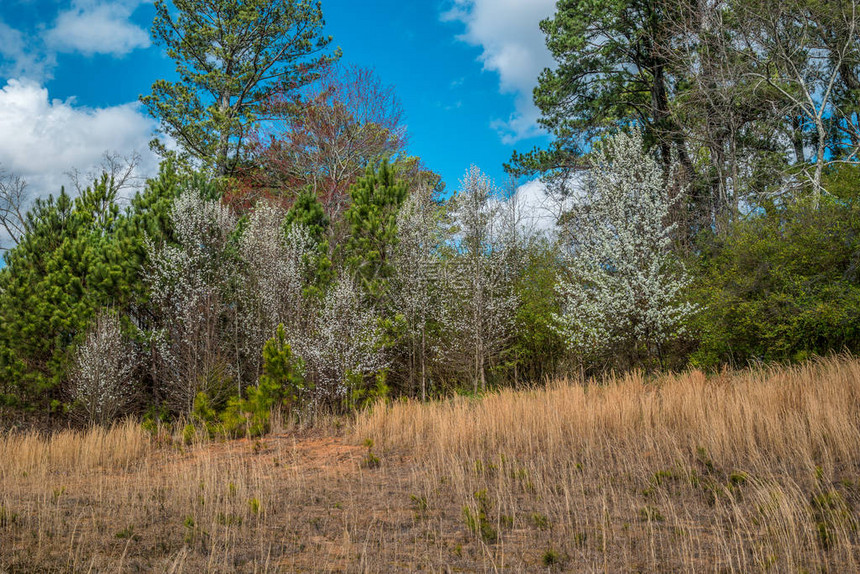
612	65
372	219
308	212
230	55
74	260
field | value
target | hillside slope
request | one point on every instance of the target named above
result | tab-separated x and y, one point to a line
752	471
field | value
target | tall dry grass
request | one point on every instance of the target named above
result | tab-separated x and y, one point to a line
743	472
738	472
39	455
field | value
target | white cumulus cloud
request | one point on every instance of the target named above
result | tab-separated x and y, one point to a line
98	27
513	46
42	140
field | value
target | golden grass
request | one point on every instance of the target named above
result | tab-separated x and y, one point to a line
39	455
743	472
797	417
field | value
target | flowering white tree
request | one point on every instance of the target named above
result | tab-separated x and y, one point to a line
275	274
102	375
346	342
190	281
416	268
479	303
623	286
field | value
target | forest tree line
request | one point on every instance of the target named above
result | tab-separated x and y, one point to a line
291	252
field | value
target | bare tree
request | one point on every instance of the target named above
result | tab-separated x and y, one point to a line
325	137
802	48
121	171
727	116
14	198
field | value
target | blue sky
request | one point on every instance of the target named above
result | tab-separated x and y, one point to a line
71	72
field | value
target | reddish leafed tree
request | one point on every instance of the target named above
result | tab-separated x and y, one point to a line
325	136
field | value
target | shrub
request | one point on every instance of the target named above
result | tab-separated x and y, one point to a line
781	286
102	376
281	385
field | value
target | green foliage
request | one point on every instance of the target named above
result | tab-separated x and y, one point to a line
309	212
537	347
781	286
841	182
283	373
189	432
75	259
551	558
79	256
156	417
372	219
608	72
230	56
363	395
370	459
204	416
281	385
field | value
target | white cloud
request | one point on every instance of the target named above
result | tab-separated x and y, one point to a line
18	58
96	27
513	46
536	211
42	140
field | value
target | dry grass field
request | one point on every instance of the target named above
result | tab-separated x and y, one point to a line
743	472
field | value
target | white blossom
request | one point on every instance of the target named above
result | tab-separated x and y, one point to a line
623	285
102	375
479	301
275	275
416	272
189	282
347	341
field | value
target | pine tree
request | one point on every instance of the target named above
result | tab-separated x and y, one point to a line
230	56
75	259
308	212
372	219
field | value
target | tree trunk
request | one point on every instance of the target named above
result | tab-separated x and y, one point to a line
483	377
797	139
819	161
223	136
423	367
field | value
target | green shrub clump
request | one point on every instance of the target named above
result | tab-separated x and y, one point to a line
282	385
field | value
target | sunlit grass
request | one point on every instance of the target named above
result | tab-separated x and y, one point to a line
742	472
